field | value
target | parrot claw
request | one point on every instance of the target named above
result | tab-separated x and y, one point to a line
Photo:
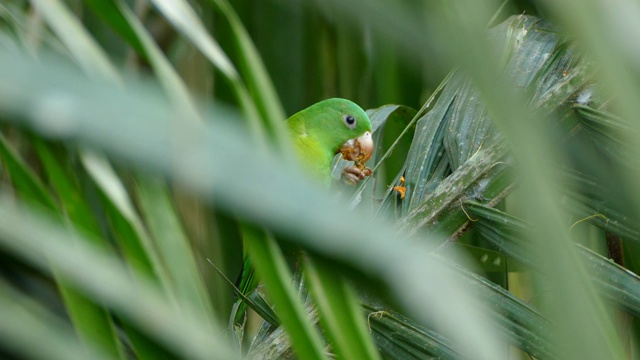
353	174
359	151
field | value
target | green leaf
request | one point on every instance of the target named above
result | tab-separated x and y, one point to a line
25	181
101	276
390	122
65	183
262	308
398	337
591	199
128	230
606	129
83	47
180	276
273	270
339	311
518	321
256	77
110	12
185	20
506	232
55	339
93	324
171	82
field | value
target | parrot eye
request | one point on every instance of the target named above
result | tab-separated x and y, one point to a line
350	121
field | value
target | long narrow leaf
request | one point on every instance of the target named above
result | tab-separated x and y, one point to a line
256	77
92	323
85	50
272	268
183	17
21	315
102	276
339	312
183	279
505	232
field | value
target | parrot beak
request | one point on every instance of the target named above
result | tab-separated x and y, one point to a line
358	150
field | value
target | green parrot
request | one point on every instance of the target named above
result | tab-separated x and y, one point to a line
319	133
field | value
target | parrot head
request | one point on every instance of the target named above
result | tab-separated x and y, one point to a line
330	127
337	124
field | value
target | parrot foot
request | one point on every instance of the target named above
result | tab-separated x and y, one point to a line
353	174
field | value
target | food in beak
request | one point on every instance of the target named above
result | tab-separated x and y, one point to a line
359	151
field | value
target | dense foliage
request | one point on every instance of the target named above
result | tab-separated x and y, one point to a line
144	154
